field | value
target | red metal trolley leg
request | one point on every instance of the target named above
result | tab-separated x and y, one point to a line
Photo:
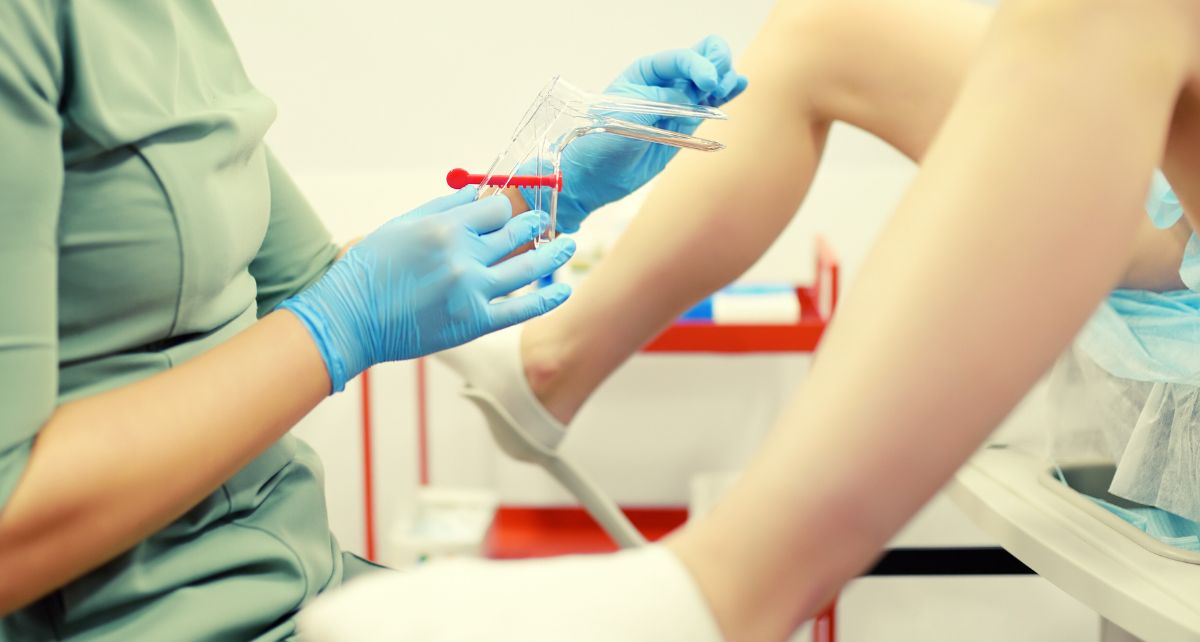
825	624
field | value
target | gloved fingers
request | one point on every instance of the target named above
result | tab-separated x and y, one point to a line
739	85
568	224
731	83
523	269
485	215
527	306
518	231
665	68
717	50
679	95
668	95
443	203
675	95
725	87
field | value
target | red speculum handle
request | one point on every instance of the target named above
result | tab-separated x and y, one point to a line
460	178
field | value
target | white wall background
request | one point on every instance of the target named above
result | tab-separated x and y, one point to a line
377	100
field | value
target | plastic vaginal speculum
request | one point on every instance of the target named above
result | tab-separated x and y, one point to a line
560	115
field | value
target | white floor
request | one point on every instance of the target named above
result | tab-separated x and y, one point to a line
984	609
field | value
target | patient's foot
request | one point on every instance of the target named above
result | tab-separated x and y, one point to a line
545	359
497	375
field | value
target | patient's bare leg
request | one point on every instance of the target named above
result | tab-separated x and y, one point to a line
891	67
1019	222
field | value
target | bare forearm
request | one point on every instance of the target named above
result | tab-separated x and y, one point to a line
109	470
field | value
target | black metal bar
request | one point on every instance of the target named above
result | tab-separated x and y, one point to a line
983	560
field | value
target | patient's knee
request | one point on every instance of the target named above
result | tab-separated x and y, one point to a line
823	22
1137	30
835	45
812	39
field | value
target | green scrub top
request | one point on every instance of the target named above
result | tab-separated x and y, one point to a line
142	222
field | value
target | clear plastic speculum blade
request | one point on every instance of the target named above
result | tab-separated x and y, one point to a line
560	115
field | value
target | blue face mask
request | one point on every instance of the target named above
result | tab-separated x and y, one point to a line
1189	270
1168	528
1146	336
1151	336
1161	203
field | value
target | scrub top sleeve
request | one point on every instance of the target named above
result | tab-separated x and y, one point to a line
297	249
31	181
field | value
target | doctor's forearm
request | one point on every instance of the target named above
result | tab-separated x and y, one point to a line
107	471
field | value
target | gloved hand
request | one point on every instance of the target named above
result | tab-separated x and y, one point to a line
600	169
425	281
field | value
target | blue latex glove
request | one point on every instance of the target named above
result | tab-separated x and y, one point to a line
425	281
600	169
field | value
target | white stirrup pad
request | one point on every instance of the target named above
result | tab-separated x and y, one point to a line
636	595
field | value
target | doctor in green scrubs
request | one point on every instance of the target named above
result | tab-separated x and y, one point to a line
174	307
